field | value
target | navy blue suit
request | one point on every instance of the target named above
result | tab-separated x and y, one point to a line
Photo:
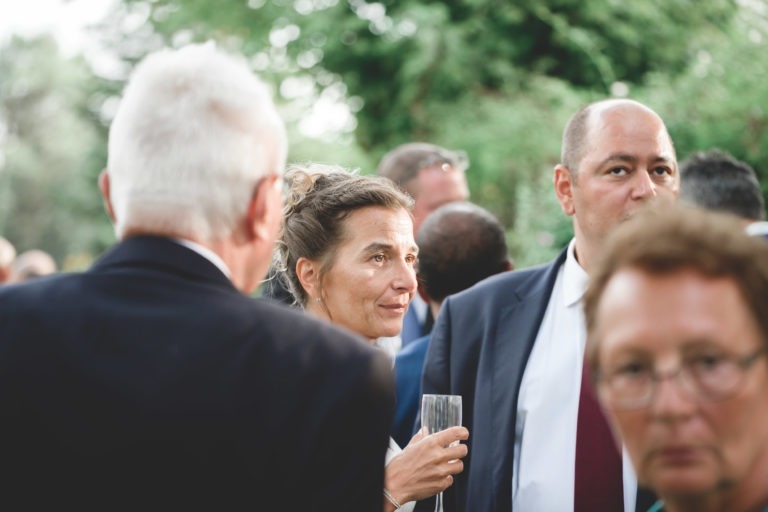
480	345
413	328
150	382
409	364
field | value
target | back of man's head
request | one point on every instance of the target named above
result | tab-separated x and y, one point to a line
460	244
7	255
31	265
715	180
194	133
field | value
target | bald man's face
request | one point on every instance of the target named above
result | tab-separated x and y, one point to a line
628	160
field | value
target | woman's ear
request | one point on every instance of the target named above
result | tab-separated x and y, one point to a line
308	272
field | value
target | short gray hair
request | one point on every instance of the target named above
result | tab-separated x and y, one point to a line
195	132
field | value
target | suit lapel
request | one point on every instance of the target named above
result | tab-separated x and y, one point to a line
513	341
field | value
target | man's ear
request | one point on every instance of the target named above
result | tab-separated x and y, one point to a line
308	272
263	208
564	183
104	189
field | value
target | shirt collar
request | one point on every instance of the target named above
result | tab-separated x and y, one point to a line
575	279
207	254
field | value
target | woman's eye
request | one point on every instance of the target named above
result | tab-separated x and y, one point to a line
706	361
378	258
411	259
631	370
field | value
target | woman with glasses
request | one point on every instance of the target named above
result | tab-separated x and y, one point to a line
348	255
677	315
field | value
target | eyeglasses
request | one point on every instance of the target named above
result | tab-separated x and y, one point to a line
706	377
456	159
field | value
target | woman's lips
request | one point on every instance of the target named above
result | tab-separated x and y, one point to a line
396	308
677	455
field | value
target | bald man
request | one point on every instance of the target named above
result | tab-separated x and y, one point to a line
513	345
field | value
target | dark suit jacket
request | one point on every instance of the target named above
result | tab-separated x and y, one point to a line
150	383
409	364
479	349
480	346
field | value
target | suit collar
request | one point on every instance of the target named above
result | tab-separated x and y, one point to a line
207	254
161	254
575	278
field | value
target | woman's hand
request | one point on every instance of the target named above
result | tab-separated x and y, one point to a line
427	465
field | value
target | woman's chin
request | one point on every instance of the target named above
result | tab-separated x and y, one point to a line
389	331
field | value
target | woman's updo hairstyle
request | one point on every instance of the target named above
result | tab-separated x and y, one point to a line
319	199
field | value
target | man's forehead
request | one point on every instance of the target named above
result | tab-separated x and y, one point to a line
634	120
613	113
619	104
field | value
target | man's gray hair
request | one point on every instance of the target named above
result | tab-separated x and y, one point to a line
195	132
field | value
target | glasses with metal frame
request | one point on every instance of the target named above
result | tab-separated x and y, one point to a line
705	377
457	160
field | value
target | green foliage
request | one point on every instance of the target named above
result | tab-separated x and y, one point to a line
47	174
720	99
398	56
497	79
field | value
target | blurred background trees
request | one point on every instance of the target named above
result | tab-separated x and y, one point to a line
355	78
51	150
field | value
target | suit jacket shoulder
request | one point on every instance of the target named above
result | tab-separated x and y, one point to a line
151	377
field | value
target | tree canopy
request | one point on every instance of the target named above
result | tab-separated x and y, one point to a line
497	79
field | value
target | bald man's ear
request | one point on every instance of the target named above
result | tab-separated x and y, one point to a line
564	183
105	194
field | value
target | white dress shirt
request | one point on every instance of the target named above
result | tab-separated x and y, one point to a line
205	253
548	405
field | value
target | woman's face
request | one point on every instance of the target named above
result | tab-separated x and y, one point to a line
681	443
372	278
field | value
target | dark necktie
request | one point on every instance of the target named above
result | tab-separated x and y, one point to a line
598	486
429	321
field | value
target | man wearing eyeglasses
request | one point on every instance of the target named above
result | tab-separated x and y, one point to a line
513	345
433	176
677	343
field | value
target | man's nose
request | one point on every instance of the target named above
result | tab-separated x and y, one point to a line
643	186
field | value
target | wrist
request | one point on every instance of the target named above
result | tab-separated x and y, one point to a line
391	499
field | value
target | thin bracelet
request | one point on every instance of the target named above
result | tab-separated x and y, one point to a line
392	499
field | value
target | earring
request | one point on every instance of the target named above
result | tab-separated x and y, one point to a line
318	299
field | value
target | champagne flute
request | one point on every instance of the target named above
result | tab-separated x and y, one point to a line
439	412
